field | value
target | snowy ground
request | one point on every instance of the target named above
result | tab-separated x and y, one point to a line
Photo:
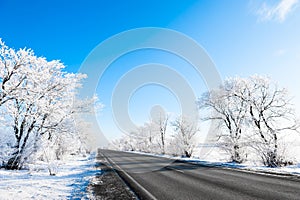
73	177
71	181
249	166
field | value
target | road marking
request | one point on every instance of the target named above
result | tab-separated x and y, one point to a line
129	177
178	170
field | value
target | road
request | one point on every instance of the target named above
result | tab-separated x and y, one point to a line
160	178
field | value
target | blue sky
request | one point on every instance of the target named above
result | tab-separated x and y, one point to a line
69	30
241	37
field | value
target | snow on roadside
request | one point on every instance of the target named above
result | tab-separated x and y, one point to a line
288	170
70	182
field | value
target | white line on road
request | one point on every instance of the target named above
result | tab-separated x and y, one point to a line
131	179
178	170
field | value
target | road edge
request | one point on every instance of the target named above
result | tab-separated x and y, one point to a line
138	189
245	170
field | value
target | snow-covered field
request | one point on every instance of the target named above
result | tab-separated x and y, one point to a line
70	182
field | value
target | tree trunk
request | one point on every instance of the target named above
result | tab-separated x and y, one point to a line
15	162
187	154
162	143
236	157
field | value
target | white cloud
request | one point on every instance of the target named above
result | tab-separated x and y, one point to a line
277	12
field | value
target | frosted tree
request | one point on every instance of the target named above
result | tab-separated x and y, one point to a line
160	125
254	104
12	76
185	132
38	98
230	112
271	114
126	142
145	137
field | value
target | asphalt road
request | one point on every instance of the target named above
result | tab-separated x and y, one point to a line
159	178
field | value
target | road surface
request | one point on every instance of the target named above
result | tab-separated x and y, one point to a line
160	178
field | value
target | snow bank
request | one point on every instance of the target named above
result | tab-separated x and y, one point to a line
70	182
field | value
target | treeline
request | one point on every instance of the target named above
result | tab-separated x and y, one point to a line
252	115
152	137
38	106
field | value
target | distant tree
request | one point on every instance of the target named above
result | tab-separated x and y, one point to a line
161	124
145	137
185	132
150	137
